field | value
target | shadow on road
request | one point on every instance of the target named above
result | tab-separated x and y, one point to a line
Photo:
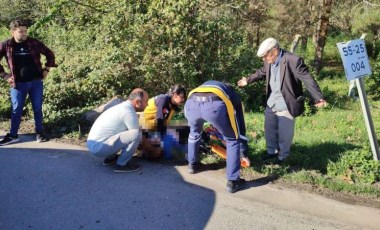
47	188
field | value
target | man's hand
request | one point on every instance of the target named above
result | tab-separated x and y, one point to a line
45	72
10	79
321	103
246	161
242	82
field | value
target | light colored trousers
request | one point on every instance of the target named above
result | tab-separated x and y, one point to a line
126	141
279	132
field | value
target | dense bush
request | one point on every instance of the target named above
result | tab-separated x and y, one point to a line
109	50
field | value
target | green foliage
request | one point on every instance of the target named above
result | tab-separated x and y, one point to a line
110	50
330	147
314	178
356	166
5	107
366	20
18	9
374	79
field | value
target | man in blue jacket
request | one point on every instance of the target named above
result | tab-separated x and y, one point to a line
218	104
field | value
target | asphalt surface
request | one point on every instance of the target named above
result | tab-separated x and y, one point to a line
59	186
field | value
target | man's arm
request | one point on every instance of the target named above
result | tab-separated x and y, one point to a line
38	48
6	76
3	74
303	74
160	104
50	57
258	75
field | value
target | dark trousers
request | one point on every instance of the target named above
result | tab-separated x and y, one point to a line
215	112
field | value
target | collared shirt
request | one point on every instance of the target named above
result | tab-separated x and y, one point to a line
276	100
278	58
36	48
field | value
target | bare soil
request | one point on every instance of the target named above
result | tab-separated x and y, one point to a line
27	127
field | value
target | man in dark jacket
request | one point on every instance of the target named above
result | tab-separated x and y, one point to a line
284	73
23	55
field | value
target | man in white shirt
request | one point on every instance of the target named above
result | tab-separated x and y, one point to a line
118	129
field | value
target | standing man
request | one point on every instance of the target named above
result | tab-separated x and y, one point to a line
284	73
218	104
23	55
118	129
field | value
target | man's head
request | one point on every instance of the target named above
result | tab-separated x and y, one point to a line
269	50
178	94
19	30
139	99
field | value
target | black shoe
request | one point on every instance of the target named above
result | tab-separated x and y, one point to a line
267	156
235	185
40	137
129	167
278	161
8	139
193	168
110	160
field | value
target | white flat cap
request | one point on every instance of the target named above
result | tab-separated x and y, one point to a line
266	45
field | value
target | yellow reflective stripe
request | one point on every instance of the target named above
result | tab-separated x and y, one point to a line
226	100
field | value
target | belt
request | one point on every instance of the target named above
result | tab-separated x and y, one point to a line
206	98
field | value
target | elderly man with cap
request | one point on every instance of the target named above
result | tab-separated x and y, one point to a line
284	73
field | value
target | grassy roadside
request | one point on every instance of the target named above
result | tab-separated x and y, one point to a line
330	151
331	148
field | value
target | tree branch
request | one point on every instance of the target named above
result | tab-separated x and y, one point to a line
371	4
90	6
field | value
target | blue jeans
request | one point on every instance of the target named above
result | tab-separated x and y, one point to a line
215	112
172	146
18	96
126	141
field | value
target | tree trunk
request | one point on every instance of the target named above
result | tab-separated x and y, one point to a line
321	33
303	44
258	36
295	43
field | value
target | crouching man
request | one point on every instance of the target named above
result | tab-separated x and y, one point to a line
118	129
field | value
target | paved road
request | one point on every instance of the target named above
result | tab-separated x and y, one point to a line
58	186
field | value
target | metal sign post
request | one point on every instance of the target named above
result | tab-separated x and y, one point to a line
356	65
368	119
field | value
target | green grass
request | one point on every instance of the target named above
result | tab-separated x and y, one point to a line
331	147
